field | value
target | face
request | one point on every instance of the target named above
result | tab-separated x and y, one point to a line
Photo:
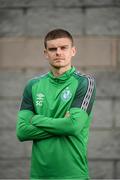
59	52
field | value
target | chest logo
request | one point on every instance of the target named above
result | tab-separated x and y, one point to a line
66	94
39	99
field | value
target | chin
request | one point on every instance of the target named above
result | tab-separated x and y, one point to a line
57	66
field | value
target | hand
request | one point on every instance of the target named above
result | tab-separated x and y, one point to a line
67	114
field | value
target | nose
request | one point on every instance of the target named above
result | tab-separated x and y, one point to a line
58	51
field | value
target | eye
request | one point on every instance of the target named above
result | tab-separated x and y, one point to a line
64	47
52	49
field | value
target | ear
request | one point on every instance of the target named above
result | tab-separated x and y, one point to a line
45	53
74	50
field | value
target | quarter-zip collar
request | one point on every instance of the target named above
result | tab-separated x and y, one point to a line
62	78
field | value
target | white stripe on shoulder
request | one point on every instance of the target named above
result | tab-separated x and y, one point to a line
88	95
39	76
42	75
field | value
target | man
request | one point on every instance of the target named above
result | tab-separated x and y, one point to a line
56	113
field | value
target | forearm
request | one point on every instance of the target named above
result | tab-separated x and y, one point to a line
26	131
62	126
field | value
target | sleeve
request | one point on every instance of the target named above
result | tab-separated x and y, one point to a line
78	114
67	126
24	129
85	95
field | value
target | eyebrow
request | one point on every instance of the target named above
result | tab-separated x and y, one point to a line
54	48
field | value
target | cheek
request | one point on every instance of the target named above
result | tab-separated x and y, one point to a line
69	54
50	56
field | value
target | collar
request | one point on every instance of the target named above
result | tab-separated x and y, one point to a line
62	78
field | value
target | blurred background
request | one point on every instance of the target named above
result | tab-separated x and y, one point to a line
95	26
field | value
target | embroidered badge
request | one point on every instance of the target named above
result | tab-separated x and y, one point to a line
66	94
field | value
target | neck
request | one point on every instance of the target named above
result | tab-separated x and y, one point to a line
59	71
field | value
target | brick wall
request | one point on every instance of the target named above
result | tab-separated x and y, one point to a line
95	25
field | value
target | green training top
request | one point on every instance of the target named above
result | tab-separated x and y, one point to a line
59	148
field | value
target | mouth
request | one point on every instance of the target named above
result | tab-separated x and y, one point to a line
59	59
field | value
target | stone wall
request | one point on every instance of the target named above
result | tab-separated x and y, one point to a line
95	25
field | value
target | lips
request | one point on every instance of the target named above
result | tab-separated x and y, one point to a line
58	59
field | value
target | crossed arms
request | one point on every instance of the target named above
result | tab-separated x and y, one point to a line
37	127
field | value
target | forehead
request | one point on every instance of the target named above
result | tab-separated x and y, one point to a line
59	42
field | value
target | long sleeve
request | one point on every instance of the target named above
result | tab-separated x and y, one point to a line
62	126
24	130
85	95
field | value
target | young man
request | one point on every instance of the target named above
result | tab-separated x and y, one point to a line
55	114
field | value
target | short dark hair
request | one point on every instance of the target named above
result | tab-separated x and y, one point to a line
57	33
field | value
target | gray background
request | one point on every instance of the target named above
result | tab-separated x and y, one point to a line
95	25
